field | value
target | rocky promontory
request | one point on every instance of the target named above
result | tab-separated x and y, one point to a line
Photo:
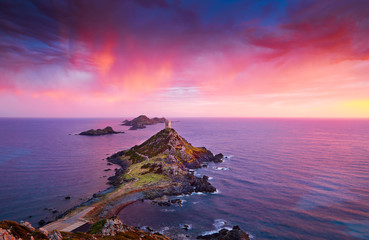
169	155
141	122
161	166
99	132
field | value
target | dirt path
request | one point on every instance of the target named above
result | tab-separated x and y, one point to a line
129	172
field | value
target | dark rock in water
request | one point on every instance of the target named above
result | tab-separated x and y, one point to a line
176	201
67	198
162	203
204	165
202	184
55	211
167	204
30	216
140	122
108	169
109	163
218	158
99	132
186	227
235	234
41	222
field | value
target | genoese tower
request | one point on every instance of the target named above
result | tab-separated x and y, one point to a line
168	124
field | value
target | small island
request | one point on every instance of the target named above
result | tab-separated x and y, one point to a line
99	132
141	122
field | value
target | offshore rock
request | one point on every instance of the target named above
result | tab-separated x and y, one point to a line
99	132
235	234
202	185
218	158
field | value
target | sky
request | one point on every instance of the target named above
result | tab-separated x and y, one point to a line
184	58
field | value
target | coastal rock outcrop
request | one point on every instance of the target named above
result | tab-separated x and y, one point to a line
112	227
235	234
55	235
141	122
27	224
44	231
99	132
10	230
6	235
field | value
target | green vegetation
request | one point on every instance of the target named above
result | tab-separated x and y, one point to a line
134	157
97	227
151	179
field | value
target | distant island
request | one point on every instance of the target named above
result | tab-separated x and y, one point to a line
99	132
162	165
141	122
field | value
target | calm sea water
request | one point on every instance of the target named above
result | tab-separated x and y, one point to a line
284	178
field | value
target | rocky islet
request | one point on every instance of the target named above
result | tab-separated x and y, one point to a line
99	132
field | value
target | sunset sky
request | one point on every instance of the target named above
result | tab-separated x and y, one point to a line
189	58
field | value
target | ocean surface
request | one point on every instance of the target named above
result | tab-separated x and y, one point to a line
282	178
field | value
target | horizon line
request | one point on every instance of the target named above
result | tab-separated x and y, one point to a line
212	117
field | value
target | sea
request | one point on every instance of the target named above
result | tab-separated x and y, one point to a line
280	179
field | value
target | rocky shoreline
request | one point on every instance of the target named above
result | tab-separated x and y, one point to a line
161	166
111	228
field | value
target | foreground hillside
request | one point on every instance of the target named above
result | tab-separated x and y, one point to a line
105	229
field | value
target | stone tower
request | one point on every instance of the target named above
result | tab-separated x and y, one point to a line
168	124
